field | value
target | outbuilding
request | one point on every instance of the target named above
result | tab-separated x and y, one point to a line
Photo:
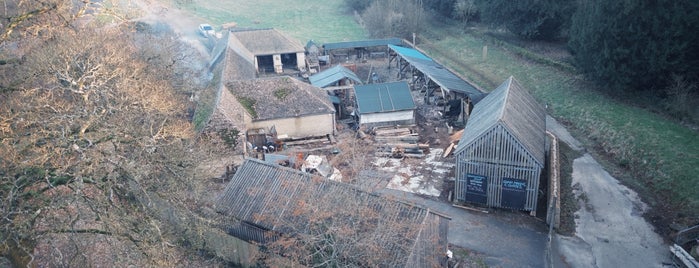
264	203
385	104
501	153
284	106
268	49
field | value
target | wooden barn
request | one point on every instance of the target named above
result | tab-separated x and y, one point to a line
287	106
385	104
269	50
265	203
501	153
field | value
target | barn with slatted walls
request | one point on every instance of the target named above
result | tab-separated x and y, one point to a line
501	153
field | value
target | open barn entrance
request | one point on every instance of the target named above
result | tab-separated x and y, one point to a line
265	64
289	61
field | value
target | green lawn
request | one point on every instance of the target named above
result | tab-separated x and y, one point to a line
322	21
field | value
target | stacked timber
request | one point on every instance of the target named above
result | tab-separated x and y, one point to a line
398	143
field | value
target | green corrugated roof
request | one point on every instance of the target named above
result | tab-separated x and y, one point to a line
386	97
332	75
363	43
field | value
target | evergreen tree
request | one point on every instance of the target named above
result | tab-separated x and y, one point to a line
532	19
636	45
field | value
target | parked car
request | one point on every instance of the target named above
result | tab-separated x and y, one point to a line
206	30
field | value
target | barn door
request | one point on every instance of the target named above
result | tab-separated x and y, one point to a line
514	193
476	188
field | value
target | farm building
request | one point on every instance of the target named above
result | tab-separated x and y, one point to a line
352	50
284	106
226	65
270	204
437	81
336	77
385	104
338	81
269	50
501	152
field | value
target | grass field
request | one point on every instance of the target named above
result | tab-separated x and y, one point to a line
321	21
660	156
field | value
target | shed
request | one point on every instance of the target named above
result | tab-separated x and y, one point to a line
270	50
501	152
293	108
385	104
264	201
336	77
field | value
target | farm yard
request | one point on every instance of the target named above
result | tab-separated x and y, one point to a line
270	133
414	175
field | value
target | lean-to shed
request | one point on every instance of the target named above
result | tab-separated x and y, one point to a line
266	203
385	104
501	153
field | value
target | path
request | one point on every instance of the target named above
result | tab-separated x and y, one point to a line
610	229
508	239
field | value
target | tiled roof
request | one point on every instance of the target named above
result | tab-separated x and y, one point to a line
266	41
280	97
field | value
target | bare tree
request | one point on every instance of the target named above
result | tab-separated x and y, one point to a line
394	18
94	120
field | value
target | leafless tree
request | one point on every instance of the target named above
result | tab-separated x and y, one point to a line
92	119
394	18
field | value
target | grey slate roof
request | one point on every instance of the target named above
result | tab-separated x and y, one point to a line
284	200
384	97
266	41
363	43
511	105
281	97
438	73
332	75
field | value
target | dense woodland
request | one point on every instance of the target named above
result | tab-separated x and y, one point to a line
627	47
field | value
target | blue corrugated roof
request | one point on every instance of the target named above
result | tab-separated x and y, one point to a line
332	75
409	52
334	99
363	43
386	97
438	73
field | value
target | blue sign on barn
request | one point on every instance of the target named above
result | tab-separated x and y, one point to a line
476	188
514	193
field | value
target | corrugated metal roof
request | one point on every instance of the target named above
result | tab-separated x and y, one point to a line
409	52
385	97
437	72
285	200
266	41
281	97
363	43
511	105
332	75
